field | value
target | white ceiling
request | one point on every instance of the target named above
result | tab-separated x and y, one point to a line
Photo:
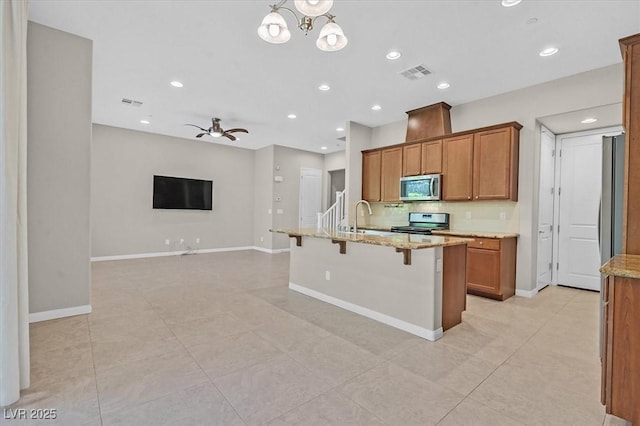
479	47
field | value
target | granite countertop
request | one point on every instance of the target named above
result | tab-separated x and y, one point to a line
474	234
385	228
397	240
623	265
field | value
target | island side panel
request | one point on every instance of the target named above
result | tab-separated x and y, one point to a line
375	278
454	285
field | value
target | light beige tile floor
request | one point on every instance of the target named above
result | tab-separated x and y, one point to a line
218	339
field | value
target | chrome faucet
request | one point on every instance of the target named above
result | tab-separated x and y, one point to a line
355	220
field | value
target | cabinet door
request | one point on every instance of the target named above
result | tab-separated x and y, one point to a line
371	176
432	157
391	171
411	160
483	270
457	168
494	176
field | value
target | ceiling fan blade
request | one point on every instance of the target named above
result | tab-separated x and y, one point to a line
204	130
227	135
237	130
199	135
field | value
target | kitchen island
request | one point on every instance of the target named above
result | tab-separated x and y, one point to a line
416	283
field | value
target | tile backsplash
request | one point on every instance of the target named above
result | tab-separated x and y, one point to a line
493	216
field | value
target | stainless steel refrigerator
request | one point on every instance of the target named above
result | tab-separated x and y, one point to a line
610	228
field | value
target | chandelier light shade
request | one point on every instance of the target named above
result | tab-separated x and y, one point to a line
331	37
313	7
274	28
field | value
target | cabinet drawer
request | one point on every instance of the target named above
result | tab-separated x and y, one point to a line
485	243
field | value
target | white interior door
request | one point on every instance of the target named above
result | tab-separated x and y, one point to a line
545	208
310	197
579	200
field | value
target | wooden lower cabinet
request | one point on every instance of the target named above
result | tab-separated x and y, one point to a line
621	348
491	267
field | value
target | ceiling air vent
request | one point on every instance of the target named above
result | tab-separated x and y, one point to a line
415	73
131	102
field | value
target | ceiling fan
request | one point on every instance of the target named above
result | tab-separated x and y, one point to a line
216	131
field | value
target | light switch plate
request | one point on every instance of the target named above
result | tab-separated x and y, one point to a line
278	178
279	211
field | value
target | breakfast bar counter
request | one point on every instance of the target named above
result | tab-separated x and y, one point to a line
419	286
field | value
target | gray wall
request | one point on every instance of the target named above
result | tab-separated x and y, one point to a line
358	139
58	158
598	87
290	161
263	202
123	163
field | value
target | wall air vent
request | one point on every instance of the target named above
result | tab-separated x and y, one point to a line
415	73
131	102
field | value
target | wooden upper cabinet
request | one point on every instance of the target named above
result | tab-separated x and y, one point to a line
391	172
495	164
412	160
431	157
371	176
457	168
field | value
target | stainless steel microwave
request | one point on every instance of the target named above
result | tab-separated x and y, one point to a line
420	188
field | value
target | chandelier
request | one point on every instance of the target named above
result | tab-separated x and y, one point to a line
274	28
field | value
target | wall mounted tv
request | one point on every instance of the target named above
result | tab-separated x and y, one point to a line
182	193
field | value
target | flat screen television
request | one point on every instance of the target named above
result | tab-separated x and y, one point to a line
182	193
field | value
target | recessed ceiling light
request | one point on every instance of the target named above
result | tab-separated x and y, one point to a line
145	121
176	84
443	85
393	54
323	148
324	87
549	51
339	129
291	116
376	107
509	3
589	120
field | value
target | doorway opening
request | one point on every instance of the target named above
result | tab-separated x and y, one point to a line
569	215
336	184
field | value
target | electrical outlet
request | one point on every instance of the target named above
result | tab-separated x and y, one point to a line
468	215
167	241
269	211
503	216
327	275
181	240
197	240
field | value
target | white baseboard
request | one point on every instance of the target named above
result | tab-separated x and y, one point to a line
171	253
432	335
526	293
59	313
271	251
